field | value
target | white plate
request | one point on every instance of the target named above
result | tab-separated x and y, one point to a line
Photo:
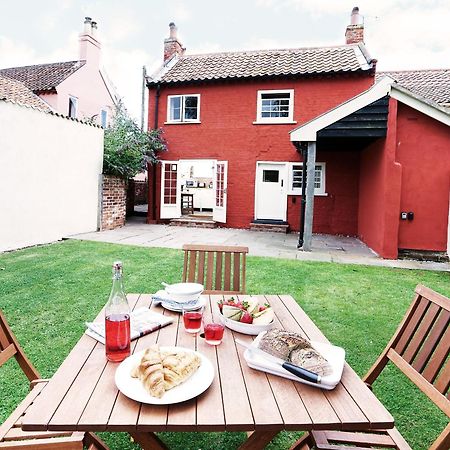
193	386
171	307
334	355
245	328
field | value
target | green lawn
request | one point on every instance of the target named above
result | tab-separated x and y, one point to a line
48	292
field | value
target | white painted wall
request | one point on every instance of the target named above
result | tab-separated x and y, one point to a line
49	176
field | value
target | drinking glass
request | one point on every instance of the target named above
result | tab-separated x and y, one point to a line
193	320
213	333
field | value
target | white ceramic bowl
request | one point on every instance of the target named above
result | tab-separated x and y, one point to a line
245	328
184	292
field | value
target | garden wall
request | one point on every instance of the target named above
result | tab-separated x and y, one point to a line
113	202
58	162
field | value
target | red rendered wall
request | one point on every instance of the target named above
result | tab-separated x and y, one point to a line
424	153
227	132
380	190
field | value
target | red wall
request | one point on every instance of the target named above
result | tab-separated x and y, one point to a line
227	132
424	153
379	191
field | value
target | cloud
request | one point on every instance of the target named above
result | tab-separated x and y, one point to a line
13	53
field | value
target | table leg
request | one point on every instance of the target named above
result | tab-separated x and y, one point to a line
258	440
149	441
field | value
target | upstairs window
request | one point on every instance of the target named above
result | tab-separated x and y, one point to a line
104	118
275	106
73	106
183	108
296	179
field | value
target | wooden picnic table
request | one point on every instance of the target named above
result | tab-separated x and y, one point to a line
82	394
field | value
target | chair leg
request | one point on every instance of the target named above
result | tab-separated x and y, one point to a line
93	442
304	443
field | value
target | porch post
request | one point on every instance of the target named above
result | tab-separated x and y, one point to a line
309	210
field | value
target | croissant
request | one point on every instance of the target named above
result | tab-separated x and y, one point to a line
178	366
150	372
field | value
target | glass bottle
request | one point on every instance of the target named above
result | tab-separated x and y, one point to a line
117	319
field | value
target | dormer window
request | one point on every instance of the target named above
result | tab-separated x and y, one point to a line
183	108
275	106
73	106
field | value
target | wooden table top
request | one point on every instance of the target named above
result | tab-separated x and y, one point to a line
82	394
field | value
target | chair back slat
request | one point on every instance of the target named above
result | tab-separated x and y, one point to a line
421	332
437	359
431	343
420	347
221	269
219	260
201	267
10	347
227	273
209	271
236	271
411	326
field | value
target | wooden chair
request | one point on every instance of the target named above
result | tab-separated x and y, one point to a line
11	434
221	269
419	348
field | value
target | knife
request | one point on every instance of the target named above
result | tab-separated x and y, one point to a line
299	372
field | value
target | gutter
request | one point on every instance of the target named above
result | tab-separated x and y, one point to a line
157	95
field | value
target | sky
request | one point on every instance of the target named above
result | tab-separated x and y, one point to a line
401	34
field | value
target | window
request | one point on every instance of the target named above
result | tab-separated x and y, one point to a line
73	104
296	178
275	106
270	176
104	117
170	184
183	108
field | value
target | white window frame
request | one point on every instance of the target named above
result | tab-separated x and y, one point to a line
273	120
104	110
182	118
75	103
298	191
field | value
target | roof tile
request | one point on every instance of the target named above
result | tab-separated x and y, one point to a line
42	77
431	84
251	64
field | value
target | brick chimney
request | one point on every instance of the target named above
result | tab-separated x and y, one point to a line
172	45
89	45
355	31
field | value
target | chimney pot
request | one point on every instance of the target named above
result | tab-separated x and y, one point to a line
94	29
355	31
173	30
87	25
172	45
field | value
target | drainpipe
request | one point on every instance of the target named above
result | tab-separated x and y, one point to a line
157	94
301	148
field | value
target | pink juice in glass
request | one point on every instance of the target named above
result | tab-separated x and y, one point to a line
192	321
117	342
214	333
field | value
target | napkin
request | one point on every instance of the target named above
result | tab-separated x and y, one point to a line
162	297
142	322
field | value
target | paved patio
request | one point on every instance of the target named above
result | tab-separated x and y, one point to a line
327	248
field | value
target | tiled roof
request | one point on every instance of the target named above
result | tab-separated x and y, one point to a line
431	84
265	63
17	92
42	77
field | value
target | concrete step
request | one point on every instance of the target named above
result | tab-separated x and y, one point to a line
270	227
193	222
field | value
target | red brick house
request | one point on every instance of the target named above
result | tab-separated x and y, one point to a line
240	124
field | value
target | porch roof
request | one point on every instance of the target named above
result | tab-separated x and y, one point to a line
342	121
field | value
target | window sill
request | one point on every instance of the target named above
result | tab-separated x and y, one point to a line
324	194
288	122
182	123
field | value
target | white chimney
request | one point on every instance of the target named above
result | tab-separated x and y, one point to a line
89	45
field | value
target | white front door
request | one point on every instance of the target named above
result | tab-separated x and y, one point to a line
170	190
270	186
220	190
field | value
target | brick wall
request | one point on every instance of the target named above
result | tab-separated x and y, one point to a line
114	196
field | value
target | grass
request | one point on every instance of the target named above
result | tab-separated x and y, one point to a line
48	292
